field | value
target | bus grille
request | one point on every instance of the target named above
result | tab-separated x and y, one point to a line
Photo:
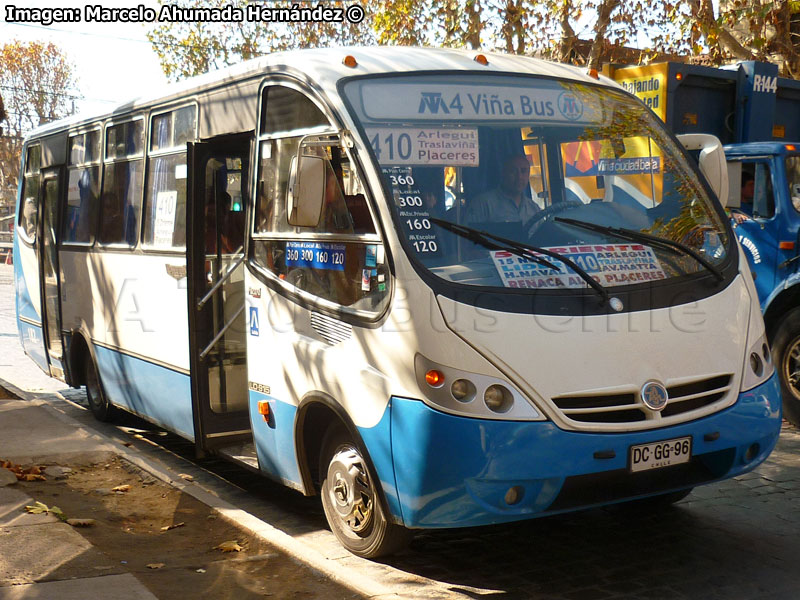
628	407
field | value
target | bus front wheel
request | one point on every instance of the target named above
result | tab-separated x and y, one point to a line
98	403
350	499
786	357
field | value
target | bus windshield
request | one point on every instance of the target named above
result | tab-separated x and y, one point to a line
479	167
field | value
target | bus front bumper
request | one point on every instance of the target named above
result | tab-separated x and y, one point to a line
452	471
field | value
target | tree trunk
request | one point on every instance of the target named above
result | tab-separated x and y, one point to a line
603	21
568	37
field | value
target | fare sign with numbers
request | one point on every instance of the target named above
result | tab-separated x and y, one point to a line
431	146
413	212
315	255
166	207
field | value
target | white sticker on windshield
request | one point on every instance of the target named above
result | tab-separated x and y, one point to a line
608	264
429	146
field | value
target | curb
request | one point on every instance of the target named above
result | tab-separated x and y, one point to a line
341	574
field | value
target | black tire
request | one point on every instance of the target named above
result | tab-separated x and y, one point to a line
351	499
786	357
101	408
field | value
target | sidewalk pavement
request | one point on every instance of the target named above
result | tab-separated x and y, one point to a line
34	431
34	547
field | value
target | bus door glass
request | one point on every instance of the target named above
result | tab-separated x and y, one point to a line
216	275
51	304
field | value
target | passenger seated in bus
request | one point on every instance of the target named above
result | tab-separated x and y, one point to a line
508	203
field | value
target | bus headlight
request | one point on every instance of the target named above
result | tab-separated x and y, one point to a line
463	390
471	394
498	398
758	367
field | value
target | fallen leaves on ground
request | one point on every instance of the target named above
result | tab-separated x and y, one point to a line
186	477
39	508
34	473
229	546
121	489
173	526
155	565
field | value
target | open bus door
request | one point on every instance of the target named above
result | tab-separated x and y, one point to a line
215	273
49	194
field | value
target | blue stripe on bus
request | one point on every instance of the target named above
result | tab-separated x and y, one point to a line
379	443
31	337
162	395
274	441
24	304
455	471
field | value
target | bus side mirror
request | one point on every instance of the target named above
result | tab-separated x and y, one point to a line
712	161
306	190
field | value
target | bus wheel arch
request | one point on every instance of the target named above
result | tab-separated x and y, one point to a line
96	396
79	353
333	460
779	307
786	358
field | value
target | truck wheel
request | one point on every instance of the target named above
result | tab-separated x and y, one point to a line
98	402
786	357
350	499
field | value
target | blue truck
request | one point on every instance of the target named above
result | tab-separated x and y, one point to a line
756	115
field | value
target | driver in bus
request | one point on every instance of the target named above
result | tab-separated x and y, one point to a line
508	202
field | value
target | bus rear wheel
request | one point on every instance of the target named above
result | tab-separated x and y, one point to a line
351	502
98	402
786	357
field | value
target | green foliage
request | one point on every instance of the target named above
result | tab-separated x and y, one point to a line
191	48
574	31
37	83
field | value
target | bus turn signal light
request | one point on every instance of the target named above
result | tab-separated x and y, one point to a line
481	59
350	61
790	147
786	245
434	378
263	409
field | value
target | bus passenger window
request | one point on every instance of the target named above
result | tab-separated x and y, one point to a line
28	215
121	199
165	204
83	190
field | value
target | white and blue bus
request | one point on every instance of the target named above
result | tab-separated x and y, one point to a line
438	288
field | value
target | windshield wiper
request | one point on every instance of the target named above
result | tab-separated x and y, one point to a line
495	242
648	238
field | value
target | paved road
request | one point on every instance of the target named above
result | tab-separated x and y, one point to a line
736	540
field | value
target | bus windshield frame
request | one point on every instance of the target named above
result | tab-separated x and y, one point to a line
438	142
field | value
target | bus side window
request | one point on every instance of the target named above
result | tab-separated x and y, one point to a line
121	199
29	210
165	202
347	270
83	189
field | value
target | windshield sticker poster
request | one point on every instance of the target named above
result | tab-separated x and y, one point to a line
609	265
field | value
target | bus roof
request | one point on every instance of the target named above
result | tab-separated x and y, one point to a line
324	67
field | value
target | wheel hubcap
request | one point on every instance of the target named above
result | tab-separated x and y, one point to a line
351	491
791	367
